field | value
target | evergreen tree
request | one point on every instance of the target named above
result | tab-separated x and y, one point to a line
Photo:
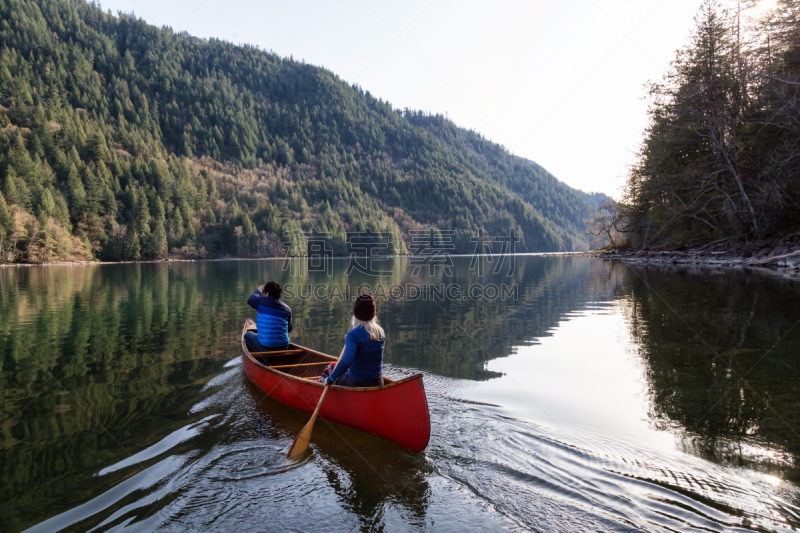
141	214
10	188
6	227
157	241
716	159
75	193
132	247
47	205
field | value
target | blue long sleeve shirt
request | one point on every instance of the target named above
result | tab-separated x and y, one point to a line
274	320
362	357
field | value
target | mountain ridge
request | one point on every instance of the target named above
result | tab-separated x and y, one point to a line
123	141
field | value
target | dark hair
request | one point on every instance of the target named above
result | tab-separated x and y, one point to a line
273	289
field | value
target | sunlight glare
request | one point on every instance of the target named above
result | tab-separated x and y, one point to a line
765	6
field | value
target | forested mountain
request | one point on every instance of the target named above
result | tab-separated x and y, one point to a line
119	140
720	155
565	191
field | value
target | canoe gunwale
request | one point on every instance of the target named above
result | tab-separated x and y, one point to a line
284	375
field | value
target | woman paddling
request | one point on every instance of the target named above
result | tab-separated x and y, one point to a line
361	362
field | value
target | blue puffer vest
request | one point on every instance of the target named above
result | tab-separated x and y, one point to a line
274	320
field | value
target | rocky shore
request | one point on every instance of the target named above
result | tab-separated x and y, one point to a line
778	254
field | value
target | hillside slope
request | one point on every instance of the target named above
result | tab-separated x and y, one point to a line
119	140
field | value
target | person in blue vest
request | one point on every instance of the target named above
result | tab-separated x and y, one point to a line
362	360
274	319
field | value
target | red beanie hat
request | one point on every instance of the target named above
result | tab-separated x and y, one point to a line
364	309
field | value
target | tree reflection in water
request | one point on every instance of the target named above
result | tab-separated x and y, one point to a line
723	363
135	347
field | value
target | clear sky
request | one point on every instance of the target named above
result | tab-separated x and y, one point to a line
556	81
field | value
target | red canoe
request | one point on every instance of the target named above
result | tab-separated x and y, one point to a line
396	411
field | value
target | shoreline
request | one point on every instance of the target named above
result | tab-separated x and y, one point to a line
198	260
773	259
148	261
776	260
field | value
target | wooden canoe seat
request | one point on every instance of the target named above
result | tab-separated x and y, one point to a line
276	352
303	364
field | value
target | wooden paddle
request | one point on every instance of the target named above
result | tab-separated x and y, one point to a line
300	443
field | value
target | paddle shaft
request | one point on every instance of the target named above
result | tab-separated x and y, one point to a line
300	443
319	404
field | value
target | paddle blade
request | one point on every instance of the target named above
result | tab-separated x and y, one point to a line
302	439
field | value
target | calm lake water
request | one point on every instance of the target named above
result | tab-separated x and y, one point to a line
594	397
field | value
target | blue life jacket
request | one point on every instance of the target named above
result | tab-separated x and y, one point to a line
274	320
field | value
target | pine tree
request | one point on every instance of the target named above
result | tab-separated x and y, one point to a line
159	213
250	231
157	241
6	80
6	227
132	246
141	214
10	187
96	148
190	235
75	192
46	203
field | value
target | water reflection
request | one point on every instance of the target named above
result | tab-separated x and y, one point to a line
118	377
723	364
366	474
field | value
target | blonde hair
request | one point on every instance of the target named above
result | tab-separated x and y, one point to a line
373	328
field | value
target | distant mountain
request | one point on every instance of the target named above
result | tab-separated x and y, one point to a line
593	198
119	140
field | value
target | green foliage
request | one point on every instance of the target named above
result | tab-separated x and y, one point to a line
156	245
718	157
166	140
6	228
